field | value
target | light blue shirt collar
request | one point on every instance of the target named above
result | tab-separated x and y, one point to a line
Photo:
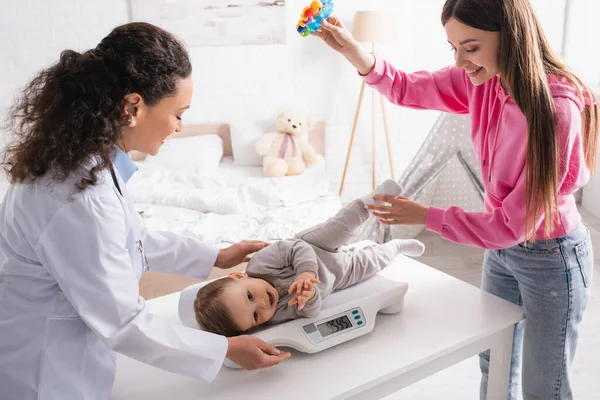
124	164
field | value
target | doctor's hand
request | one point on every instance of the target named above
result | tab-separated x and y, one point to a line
336	36
398	211
236	254
250	352
304	289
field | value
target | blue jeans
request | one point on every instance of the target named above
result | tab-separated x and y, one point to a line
550	279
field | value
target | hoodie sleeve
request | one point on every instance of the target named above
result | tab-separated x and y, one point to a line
504	227
312	308
296	255
444	90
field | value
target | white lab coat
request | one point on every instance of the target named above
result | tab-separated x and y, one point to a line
69	270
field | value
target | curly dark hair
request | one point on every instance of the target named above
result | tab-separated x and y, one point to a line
72	112
211	314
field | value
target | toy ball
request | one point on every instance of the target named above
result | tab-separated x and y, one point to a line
312	16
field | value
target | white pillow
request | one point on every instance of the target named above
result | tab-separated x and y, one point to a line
244	135
194	154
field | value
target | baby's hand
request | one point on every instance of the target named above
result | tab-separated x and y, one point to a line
304	289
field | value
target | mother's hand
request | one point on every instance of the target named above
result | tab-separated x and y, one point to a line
336	36
399	211
237	253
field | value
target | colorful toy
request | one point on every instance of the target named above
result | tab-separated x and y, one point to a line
313	15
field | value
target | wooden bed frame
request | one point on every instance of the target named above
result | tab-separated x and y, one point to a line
316	137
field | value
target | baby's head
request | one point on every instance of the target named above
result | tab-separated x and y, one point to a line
233	305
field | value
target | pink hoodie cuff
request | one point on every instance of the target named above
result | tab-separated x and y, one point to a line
433	220
376	74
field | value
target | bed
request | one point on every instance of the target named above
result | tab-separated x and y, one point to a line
198	188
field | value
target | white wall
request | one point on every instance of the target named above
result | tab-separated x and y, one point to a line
583	55
304	73
34	32
591	192
582	51
255	81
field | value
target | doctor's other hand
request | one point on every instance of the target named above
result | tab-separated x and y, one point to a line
336	36
398	211
237	253
250	352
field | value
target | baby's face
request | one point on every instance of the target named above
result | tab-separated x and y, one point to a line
250	301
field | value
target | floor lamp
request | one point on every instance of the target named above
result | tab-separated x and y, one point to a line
373	27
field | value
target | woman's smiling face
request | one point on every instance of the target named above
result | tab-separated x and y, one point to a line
475	50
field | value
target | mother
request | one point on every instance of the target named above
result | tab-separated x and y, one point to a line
534	127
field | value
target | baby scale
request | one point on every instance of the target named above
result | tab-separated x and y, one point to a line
346	315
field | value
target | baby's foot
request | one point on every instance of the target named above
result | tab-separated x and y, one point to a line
410	247
387	187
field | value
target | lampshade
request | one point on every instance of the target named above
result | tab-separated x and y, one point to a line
375	26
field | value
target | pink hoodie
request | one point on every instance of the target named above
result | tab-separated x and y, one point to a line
499	137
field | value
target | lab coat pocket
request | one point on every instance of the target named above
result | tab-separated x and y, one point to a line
63	309
65	338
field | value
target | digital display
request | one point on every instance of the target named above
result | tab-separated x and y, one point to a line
334	325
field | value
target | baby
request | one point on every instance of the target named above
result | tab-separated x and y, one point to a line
290	278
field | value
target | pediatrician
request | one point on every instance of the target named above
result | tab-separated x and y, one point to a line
73	248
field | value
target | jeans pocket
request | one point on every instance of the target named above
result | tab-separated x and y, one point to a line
585	260
539	249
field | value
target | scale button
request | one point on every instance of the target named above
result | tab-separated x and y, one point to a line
355	312
309	328
360	322
357	317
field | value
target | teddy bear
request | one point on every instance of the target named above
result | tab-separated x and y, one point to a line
287	151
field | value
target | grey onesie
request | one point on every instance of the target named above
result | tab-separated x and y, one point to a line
316	249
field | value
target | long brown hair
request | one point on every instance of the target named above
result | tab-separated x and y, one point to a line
525	60
72	112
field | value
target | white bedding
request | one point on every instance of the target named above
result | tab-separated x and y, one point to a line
234	203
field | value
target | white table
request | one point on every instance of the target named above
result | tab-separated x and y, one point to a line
444	322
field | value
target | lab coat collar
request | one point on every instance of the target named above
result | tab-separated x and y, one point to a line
124	164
